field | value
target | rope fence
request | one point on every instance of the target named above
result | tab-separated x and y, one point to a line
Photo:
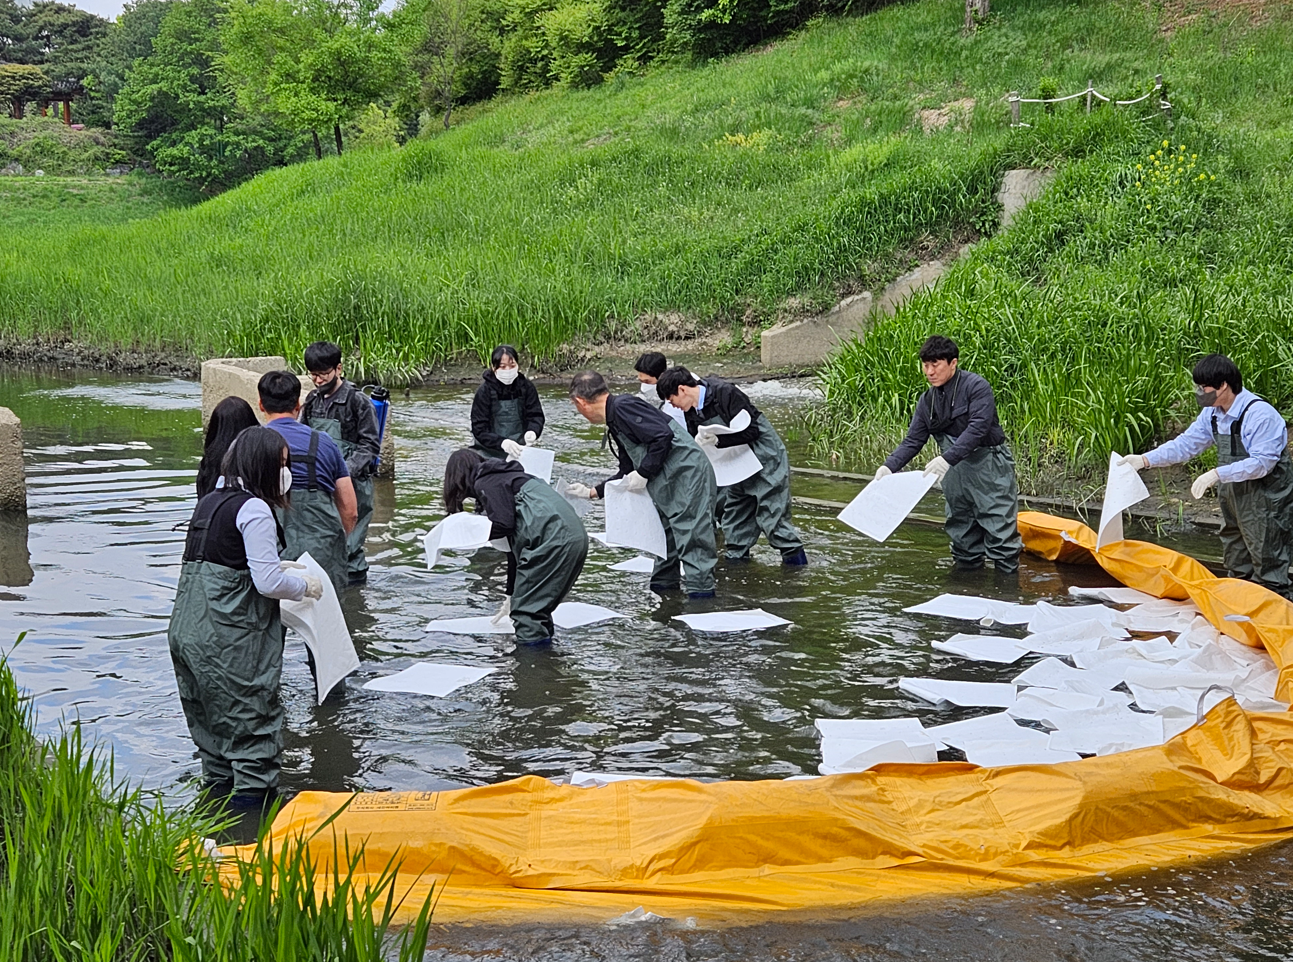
1091	95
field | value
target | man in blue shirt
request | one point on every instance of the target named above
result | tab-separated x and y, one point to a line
323	509
1254	475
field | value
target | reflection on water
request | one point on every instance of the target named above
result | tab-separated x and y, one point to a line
110	465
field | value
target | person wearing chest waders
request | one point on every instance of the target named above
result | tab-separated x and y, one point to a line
657	455
974	466
505	413
548	541
1253	476
342	412
226	639
760	503
321	510
649	367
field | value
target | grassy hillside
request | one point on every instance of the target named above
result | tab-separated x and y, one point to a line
1151	250
551	220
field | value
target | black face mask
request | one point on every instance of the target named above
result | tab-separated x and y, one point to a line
1206	396
326	389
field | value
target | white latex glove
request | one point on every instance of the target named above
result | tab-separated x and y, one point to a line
938	467
1136	462
635	481
530	437
512	448
706	439
1204	481
290	565
313	587
504	610
882	472
576	490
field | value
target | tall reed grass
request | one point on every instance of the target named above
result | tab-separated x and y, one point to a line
559	218
91	868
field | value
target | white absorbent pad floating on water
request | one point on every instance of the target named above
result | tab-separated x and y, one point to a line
994	648
323	627
735	464
967	694
457	532
576	614
1033	749
885	503
1053	673
639	565
972	608
1047	617
751	619
1117	596
997	727
1123	488
851	745
478	625
632	520
536	462
1072	638
430	678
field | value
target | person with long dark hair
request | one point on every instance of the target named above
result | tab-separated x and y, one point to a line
505	413
548	541
229	419
226	637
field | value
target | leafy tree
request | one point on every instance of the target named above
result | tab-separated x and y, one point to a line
457	57
312	63
129	39
68	40
15	37
177	105
20	83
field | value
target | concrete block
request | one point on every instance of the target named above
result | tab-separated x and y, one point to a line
13	478
806	343
15	558
386	467
1020	188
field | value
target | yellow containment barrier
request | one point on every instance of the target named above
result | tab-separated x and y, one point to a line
729	852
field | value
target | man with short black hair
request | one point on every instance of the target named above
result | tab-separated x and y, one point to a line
341	411
322	509
650	366
759	503
974	466
656	454
1254	476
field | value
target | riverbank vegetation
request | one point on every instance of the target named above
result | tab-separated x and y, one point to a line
729	192
93	868
1153	247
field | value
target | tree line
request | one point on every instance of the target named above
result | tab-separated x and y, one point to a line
214	91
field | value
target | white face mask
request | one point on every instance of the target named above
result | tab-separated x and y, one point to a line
647	390
506	375
284	480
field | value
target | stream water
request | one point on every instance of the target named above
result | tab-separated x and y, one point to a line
90	576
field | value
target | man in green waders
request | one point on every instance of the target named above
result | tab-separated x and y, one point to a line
344	414
760	503
975	466
322	511
656	454
1254	476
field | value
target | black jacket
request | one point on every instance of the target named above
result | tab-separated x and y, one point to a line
482	408
724	400
629	416
358	420
963	408
496	486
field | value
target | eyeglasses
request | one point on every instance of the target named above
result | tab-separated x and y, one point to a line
322	377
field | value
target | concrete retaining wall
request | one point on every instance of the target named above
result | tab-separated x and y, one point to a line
13	478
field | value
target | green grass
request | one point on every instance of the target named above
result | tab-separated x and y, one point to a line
560	218
91	868
32	208
1088	314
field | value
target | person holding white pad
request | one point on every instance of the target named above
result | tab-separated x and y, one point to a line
761	501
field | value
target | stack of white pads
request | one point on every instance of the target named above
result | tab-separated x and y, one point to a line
1162	684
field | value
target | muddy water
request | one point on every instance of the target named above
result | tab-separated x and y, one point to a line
91	575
